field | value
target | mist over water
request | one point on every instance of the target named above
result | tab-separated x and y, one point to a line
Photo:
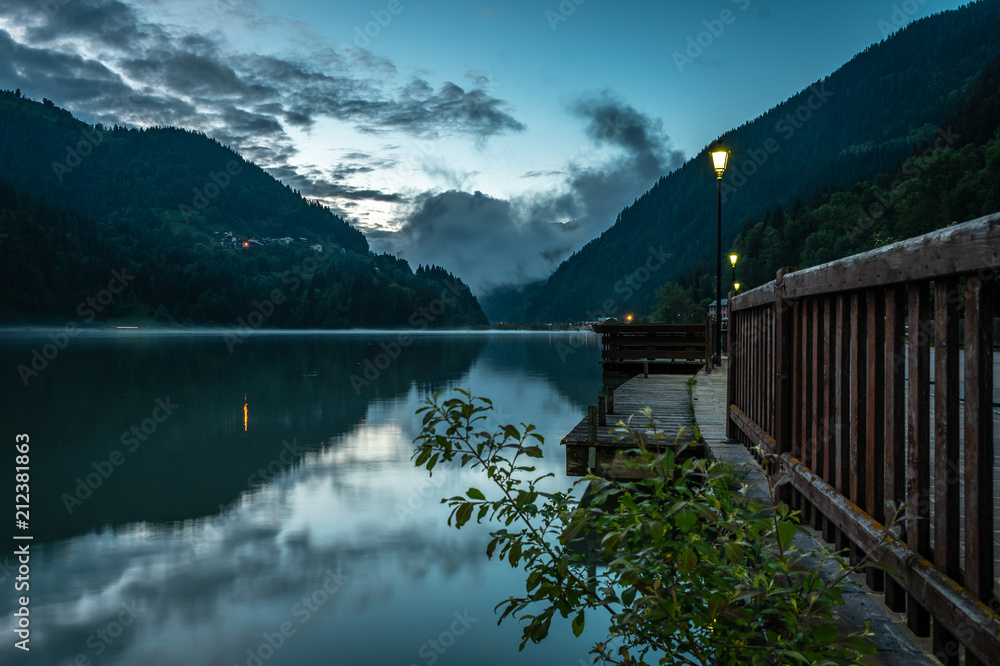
196	506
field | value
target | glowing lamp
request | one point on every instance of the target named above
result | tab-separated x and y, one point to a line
720	158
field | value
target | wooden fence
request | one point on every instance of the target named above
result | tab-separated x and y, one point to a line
645	344
830	370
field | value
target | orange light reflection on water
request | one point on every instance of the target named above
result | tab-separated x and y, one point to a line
244	412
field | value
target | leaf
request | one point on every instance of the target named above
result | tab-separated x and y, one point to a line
786	532
574	527
825	633
463	514
474	493
733	552
578	624
686	560
686	520
514	555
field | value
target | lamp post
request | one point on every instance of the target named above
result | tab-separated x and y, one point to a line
720	157
732	260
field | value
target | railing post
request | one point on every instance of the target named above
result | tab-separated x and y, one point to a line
734	331
782	369
979	446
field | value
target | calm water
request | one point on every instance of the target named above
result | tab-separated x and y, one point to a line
192	505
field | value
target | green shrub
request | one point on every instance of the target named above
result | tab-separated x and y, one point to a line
684	567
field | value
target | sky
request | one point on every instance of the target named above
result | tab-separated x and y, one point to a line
491	138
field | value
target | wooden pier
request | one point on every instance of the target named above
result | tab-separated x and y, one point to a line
657	348
831	369
596	443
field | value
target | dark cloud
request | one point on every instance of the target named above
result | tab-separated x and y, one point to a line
107	61
542	174
492	242
612	121
485	240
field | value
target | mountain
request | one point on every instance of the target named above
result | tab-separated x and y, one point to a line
935	187
99	223
845	128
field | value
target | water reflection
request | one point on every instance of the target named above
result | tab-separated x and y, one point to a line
342	557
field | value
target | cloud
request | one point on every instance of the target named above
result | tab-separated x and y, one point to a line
543	174
113	61
485	240
493	242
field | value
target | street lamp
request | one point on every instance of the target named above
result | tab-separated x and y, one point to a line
732	260
736	286
720	157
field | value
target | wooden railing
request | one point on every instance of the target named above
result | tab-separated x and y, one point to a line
625	344
831	370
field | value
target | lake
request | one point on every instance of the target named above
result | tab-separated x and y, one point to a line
203	499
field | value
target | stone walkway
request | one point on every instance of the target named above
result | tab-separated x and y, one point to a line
896	645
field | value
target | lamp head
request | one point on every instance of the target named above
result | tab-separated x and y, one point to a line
720	158
732	260
737	286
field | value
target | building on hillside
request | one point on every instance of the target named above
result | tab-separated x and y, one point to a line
713	306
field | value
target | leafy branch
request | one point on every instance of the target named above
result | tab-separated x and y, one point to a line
681	564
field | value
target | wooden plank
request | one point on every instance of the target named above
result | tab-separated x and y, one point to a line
964	248
842	380
816	371
754	298
979	437
955	608
858	445
829	406
771	375
736	323
895	419
802	371
947	472
651	355
757	435
809	402
918	462
664	329
875	421
665	395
